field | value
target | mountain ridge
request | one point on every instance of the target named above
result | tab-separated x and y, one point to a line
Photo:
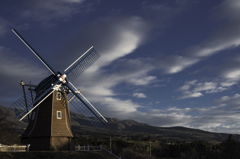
127	128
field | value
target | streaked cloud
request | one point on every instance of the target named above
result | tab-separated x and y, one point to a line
189	94
100	83
205	86
175	64
122	35
226	36
233	73
193	89
226	100
139	95
112	107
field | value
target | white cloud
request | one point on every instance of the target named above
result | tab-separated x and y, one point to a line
122	35
226	36
112	107
188	91
139	95
193	89
205	86
189	94
100	83
191	82
228	83
234	74
142	80
184	87
129	33
226	100
230	72
175	64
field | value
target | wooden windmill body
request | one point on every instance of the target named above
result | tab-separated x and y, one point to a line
49	127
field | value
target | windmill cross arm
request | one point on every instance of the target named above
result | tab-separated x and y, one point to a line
78	59
33	51
29	85
94	108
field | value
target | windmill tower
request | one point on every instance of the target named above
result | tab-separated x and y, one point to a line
47	106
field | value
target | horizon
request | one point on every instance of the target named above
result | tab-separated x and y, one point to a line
90	125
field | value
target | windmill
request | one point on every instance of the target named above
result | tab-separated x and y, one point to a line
47	105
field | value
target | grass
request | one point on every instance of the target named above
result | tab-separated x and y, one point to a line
57	155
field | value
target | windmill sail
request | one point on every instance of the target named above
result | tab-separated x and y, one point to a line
81	64
18	106
83	106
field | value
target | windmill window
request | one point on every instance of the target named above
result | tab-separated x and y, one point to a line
58	95
33	115
59	115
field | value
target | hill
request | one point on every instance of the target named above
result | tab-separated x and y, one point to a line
128	129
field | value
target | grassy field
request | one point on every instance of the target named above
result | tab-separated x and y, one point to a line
57	155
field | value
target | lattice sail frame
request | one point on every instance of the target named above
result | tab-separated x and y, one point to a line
81	64
47	86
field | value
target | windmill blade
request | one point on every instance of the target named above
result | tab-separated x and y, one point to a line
40	93
81	64
34	51
84	107
18	106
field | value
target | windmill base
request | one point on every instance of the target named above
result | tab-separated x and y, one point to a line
50	143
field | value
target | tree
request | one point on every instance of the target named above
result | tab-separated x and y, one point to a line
230	138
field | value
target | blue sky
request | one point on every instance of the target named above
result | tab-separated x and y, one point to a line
165	63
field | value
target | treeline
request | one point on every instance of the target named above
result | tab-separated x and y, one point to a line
174	149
